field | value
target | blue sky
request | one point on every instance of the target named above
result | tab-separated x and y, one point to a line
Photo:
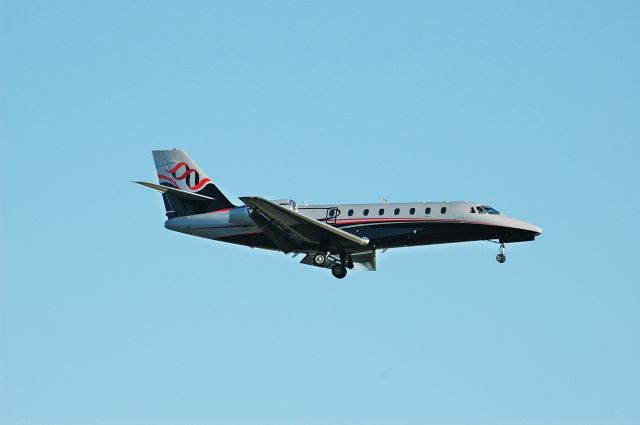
108	318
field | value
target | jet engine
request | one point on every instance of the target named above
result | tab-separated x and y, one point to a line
241	215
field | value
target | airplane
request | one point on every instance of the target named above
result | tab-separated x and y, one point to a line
334	236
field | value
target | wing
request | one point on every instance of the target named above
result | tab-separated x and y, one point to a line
292	231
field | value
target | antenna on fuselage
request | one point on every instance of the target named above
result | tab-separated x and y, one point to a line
385	201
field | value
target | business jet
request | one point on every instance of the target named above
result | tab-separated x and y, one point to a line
334	236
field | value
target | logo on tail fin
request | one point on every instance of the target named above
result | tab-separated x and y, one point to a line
189	175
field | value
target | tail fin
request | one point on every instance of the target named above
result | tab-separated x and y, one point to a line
177	170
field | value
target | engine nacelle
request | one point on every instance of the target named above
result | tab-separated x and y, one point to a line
241	215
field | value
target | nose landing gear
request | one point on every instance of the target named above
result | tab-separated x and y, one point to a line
501	258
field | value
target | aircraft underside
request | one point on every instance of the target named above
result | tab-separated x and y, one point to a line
395	235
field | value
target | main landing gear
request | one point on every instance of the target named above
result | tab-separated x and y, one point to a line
339	271
339	268
319	259
501	258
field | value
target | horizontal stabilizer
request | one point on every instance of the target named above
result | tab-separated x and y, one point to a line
177	193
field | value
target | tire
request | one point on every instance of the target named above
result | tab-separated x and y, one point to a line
339	271
319	259
501	258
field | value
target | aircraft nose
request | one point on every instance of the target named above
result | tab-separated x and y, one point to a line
533	229
528	228
518	230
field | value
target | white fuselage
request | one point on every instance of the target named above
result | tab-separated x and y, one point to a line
387	224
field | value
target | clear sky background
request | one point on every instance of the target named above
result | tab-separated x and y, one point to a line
108	318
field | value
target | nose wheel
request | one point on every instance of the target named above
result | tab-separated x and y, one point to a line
501	258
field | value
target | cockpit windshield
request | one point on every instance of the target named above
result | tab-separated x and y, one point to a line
488	209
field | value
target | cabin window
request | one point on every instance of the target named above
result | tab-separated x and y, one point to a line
427	210
473	210
396	211
443	210
381	211
332	213
365	212
412	211
350	213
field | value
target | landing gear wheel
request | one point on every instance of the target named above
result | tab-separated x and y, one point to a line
339	271
501	257
319	259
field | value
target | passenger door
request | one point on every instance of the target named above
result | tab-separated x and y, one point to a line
332	215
